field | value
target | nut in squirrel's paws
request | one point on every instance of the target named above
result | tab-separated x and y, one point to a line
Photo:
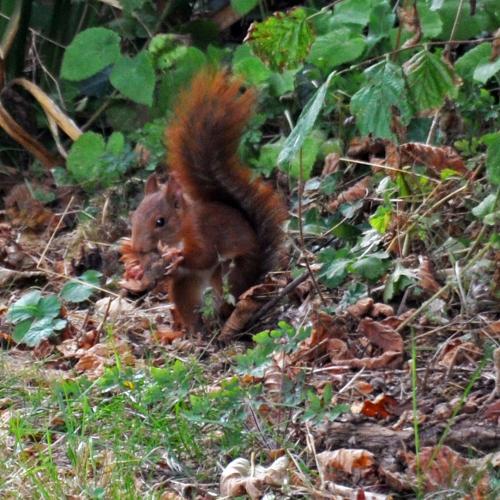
172	258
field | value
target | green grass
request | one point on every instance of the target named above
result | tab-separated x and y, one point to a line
119	437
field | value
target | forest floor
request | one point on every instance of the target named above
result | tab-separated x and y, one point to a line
335	398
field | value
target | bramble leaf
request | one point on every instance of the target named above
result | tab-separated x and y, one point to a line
430	80
372	104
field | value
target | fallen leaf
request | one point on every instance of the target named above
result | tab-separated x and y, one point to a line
426	277
345	460
331	165
437	158
382	406
361	308
457	352
381	334
240	478
354	193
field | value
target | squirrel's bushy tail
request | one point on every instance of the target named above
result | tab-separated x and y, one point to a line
202	143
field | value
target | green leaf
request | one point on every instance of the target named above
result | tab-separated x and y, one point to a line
116	144
282	40
304	124
493	157
372	104
430	21
38	331
381	21
370	267
486	207
177	78
135	78
252	69
25	308
335	266
353	12
74	291
84	155
90	51
487	70
308	154
430	80
49	307
474	57
336	48
243	7
381	219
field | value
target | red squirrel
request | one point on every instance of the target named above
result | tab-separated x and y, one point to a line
218	222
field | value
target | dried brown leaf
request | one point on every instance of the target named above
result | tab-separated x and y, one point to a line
434	157
458	352
354	193
361	308
331	165
345	460
381	334
382	406
409	19
240	478
426	276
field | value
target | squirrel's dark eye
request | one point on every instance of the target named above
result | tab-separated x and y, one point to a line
160	222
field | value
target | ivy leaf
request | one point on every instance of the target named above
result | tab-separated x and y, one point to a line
430	80
304	125
75	291
282	40
243	7
90	51
371	105
336	48
135	78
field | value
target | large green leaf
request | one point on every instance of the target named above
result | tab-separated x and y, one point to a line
135	78
430	80
336	48
304	124
282	40
466	64
372	104
90	51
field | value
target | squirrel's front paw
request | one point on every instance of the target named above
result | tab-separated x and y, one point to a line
172	258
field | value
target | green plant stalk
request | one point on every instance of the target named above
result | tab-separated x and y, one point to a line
416	429
475	376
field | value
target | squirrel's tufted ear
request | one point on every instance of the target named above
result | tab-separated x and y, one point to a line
174	192
151	184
